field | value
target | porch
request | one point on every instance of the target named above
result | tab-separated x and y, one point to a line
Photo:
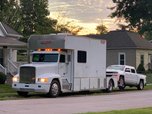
8	55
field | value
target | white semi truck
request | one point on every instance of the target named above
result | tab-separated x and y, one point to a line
64	63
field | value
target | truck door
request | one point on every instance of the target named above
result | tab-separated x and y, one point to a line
134	77
128	79
65	69
62	65
130	76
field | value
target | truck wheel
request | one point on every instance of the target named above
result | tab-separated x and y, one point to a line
54	89
110	86
140	85
22	93
121	84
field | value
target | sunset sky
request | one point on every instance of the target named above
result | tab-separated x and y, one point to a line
86	13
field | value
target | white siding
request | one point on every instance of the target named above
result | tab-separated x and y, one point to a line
90	75
146	57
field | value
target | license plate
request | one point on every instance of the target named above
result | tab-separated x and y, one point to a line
26	89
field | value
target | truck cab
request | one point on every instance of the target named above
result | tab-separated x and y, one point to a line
48	65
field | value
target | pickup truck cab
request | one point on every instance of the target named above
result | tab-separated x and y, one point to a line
126	76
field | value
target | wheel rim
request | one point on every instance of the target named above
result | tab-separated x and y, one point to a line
110	86
141	85
121	82
54	89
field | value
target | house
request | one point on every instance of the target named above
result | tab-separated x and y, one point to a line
9	44
127	48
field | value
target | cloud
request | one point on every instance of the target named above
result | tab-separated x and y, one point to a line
86	13
84	10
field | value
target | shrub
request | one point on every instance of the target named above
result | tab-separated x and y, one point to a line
141	68
2	78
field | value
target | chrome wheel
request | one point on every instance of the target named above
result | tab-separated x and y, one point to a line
54	89
121	83
141	85
110	86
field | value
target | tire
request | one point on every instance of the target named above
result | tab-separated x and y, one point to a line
110	86
140	85
121	84
22	93
54	89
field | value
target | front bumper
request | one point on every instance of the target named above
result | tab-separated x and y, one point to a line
43	88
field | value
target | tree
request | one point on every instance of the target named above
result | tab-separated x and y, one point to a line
148	35
10	13
67	26
101	29
35	17
137	13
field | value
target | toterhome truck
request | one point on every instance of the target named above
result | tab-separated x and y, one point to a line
64	63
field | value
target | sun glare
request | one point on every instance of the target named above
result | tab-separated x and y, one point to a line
87	16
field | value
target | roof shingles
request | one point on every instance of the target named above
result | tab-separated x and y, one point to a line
11	42
9	31
122	39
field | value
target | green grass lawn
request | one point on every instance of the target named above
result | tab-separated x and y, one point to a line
130	111
6	92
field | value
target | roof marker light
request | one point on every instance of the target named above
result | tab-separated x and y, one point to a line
39	50
59	50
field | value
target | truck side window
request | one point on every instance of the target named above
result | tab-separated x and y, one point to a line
82	57
132	70
127	70
62	58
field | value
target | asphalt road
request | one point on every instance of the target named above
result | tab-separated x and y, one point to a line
78	104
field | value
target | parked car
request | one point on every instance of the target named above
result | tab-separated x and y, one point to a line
126	76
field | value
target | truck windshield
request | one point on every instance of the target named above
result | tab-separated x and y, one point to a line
115	67
45	57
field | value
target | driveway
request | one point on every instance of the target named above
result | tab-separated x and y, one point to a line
78	104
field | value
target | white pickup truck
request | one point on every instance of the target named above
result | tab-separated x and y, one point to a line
126	76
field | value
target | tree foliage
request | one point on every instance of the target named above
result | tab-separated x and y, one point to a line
67	26
27	16
148	35
138	13
34	17
101	29
10	13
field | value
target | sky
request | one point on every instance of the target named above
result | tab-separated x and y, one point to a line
85	13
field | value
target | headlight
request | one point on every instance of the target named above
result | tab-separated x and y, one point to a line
43	80
15	79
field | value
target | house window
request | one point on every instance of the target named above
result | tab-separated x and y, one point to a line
82	57
121	59
142	59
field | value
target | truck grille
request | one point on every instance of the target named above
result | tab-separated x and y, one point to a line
109	74
27	75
